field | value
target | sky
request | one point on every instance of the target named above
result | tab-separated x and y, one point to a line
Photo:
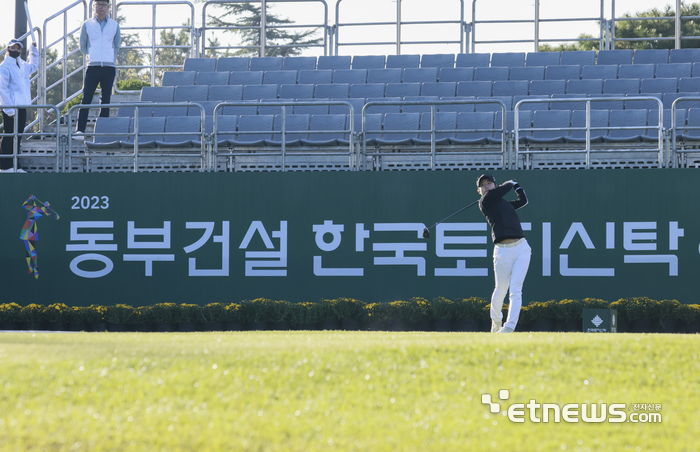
354	11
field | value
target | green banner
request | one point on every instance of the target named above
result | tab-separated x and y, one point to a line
222	237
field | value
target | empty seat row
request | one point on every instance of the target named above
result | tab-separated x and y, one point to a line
421	75
506	59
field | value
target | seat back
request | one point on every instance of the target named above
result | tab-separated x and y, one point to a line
684	56
418	108
627	118
332	90
659	85
510	88
279	77
473	60
599	72
212	78
156	94
402	61
369	62
402	89
585	87
315	77
350	76
577	57
440	89
246	78
568	72
187	127
297	91
299	63
599	118
441	60
333	62
200	64
258	126
175	78
155	125
118	126
547	87
446	121
491	73
226	93
651	56
676	70
259	92
550	119
296	127
390	75
456	74
615	57
528	73
420	75
639	71
232	64
408	123
263	64
334	125
226	127
508	59
367	90
543	59
475	88
624	86
474	121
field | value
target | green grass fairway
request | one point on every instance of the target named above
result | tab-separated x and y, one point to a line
345	391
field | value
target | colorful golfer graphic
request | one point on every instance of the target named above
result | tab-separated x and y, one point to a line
29	233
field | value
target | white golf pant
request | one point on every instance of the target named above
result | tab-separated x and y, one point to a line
510	264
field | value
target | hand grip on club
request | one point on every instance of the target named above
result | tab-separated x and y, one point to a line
426	231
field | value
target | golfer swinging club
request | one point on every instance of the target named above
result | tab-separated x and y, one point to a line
511	253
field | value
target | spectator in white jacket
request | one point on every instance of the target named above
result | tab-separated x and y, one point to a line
15	89
100	40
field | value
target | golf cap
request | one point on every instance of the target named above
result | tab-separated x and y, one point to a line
16	41
485	176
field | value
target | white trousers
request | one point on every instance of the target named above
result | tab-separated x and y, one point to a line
510	264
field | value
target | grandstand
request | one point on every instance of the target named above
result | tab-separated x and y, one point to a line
614	108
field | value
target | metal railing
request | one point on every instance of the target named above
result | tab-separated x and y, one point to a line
262	28
504	141
398	23
588	128
17	135
283	152
676	153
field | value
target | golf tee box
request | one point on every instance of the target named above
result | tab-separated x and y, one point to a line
600	321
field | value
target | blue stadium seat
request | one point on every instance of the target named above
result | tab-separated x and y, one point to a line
391	75
473	60
633	104
420	75
156	94
696	70
418	108
199	64
639	71
315	77
676	70
659	85
543	59
232	64
440	89
384	108
651	56
547	87
473	121
259	92
441	60
246	78
333	125
402	61
212	78
405	126
567	105
279	77
356	102
626	118
276	110
598	72
457	74
476	88
117	127
297	91
531	105
458	108
351	76
296	129
599	119
223	93
510	88
254	130
318	109
524	122
552	119
623	86
585	87
402	89
149	131
491	73
366	90
508	59
669	98
445	121
570	72
299	63
330	90
369	62
693	120
194	93
615	57
577	57
610	104
528	73
689	85
264	64
507	100
333	62
225	128
250	108
684	56
653	121
207	105
189	126
172	78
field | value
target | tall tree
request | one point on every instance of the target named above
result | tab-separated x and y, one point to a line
245	17
658	28
172	51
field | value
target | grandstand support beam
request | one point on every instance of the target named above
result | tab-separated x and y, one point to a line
20	23
537	26
263	26
398	27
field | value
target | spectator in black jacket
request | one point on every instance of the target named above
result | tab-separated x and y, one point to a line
511	254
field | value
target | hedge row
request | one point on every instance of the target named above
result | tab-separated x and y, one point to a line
418	313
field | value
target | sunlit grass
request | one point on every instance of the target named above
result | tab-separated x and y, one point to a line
308	391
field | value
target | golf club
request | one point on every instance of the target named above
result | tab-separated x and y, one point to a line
426	231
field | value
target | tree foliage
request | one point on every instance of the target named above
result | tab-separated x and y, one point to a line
243	19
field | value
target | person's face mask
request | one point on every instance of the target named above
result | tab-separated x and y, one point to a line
13	53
